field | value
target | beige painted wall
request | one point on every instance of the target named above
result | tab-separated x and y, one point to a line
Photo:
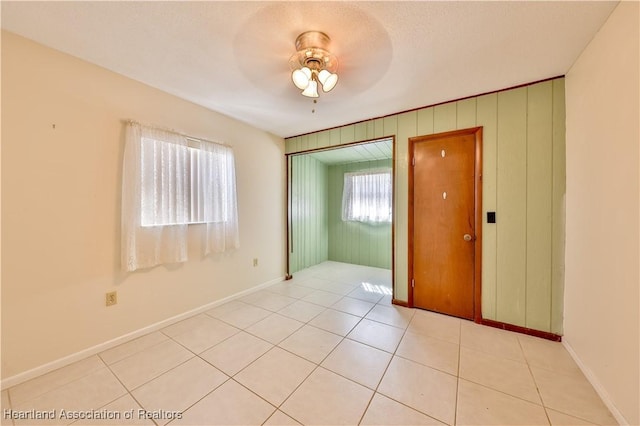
602	255
523	181
61	207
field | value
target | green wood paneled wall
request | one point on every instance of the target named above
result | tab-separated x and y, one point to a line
523	182
355	242
308	244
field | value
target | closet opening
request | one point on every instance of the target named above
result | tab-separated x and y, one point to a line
340	213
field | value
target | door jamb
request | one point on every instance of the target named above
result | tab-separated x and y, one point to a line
477	287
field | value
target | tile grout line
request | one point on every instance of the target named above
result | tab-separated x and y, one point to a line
57	387
546	408
136	352
10	407
277	346
502	392
229	377
535	382
394	354
318	365
305	379
455	406
197	355
128	392
332	350
541	404
232	377
375	391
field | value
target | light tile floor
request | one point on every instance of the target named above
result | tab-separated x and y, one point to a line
327	347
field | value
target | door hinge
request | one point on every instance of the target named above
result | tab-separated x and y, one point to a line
413	161
413	283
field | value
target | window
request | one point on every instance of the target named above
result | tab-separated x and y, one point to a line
367	196
209	173
170	181
197	194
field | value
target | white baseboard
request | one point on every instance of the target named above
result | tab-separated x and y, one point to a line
69	359
597	386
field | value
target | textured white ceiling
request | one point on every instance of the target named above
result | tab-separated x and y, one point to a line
370	151
232	57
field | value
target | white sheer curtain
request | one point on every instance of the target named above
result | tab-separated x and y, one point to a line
170	181
214	194
154	195
367	196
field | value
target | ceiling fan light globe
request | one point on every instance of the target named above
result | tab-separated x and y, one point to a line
312	90
323	75
301	78
330	82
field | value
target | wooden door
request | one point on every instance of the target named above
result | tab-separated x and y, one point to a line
444	186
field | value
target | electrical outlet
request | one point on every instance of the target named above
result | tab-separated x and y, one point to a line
112	298
255	261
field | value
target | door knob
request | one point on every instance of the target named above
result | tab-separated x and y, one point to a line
467	237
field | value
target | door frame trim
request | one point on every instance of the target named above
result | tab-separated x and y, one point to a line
477	286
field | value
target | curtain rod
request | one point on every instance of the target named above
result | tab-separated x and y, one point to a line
166	129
